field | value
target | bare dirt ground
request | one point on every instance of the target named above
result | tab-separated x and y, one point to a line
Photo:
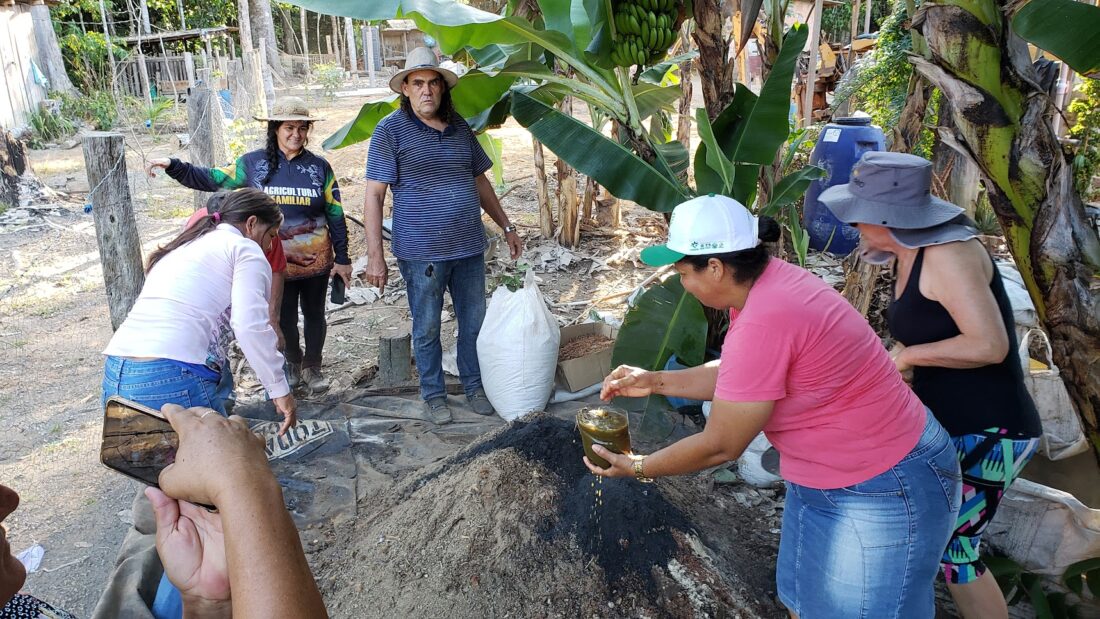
54	324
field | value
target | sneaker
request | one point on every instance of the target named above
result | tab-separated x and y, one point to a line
314	380
480	403
438	411
294	375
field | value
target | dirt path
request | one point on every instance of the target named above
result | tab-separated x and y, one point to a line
54	323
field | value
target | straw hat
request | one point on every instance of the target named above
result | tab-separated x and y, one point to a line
289	108
419	59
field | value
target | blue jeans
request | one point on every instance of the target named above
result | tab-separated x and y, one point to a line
157	382
426	281
872	549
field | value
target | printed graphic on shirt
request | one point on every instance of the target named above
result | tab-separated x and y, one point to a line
306	240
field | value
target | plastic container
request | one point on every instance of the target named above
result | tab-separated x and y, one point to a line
604	426
838	148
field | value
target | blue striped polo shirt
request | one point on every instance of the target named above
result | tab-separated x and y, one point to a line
432	174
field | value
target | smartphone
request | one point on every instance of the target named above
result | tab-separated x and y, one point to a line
137	441
338	297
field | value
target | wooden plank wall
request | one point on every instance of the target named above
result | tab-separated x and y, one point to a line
19	94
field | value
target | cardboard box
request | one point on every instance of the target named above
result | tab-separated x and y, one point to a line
576	374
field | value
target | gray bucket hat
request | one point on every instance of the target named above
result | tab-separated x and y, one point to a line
419	59
892	190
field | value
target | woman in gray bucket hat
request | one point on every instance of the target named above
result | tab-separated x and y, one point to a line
955	332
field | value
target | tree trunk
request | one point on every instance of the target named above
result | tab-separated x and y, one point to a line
546	213
568	202
49	52
260	11
683	125
13	163
1003	124
907	131
955	178
715	69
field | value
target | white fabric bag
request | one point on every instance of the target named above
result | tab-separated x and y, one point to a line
1062	436
518	350
1043	529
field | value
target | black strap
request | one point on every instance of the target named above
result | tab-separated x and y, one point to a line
980	451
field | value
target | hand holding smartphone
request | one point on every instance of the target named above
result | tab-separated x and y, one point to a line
194	454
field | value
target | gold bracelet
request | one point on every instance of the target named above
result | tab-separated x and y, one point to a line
638	473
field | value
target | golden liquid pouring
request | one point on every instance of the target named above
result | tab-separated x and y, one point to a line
606	427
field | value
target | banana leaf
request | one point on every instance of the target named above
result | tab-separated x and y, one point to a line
477	91
363	126
714	158
1066	28
456	26
706	179
494	147
790	188
676	155
749	10
766	124
651	98
622	172
492	117
656	74
665	321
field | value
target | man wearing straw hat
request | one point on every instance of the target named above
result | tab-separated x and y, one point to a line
428	157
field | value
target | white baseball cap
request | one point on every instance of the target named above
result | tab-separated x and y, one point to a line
709	224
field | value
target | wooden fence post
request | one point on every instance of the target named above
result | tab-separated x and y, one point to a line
115	225
394	360
204	122
189	67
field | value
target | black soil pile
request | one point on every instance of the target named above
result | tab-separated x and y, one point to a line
516	526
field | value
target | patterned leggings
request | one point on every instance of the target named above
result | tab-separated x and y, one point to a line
984	483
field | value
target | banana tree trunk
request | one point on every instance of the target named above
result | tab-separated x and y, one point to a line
1002	123
715	69
683	121
546	213
907	131
568	202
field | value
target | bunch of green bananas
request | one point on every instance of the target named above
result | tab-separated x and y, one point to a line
645	29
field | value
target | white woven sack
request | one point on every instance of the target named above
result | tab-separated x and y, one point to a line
517	349
1044	529
1062	436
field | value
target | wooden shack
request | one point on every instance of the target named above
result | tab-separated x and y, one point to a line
399	36
23	69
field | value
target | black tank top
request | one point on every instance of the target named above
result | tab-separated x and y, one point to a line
965	401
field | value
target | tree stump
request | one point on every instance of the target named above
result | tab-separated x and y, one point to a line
115	225
394	360
13	163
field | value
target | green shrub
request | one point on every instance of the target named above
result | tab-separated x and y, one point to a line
1086	129
98	108
47	128
330	77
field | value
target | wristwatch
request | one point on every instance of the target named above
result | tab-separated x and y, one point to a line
509	228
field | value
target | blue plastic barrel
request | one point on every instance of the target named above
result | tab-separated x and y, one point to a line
838	148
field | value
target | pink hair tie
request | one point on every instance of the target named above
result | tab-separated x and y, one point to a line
217	218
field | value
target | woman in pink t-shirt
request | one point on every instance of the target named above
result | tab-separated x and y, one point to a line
872	478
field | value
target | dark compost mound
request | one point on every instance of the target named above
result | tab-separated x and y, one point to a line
516	526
